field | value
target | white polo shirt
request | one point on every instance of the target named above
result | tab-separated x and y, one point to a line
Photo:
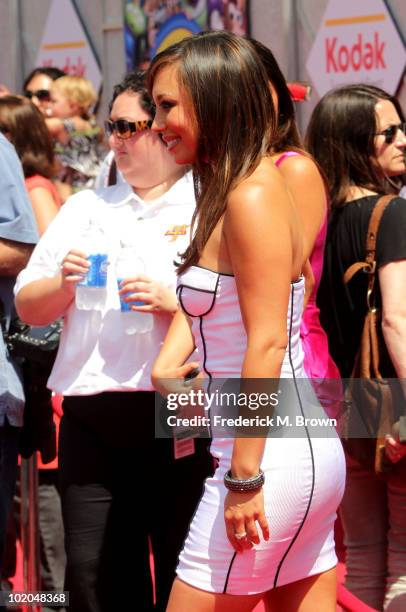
95	354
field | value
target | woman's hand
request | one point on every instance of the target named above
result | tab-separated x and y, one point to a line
157	297
172	380
241	512
74	267
395	451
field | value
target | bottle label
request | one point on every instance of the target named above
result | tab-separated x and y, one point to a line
126	306
97	274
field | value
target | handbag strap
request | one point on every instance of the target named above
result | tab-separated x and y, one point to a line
369	265
368	356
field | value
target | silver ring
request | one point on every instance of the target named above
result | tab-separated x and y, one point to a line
240	536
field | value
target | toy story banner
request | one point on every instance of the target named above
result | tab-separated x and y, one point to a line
152	25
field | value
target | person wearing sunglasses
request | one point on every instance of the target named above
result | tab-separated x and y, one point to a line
357	135
37	86
107	446
109	173
124	129
391	132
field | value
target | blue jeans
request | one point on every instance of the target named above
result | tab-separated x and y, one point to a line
9	437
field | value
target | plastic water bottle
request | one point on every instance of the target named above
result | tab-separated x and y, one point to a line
91	292
128	265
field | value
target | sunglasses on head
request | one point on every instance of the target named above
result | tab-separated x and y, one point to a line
43	95
391	132
125	129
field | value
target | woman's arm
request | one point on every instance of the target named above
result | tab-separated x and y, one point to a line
265	249
13	256
44	207
258	231
306	185
177	347
392	280
46	287
44	300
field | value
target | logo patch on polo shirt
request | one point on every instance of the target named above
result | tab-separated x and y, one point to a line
175	231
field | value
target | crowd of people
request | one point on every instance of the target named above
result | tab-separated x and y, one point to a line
236	234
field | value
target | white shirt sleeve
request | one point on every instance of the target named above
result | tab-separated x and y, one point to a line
58	239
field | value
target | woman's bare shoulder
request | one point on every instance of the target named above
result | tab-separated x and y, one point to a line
300	167
264	186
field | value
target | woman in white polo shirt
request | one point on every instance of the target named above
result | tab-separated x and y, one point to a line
107	449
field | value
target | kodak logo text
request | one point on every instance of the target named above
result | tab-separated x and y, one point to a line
363	54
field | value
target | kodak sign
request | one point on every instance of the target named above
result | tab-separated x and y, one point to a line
357	42
363	54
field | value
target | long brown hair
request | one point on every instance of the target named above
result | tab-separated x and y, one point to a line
24	125
228	88
287	135
341	137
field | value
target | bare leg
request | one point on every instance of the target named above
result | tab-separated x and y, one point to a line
313	594
185	598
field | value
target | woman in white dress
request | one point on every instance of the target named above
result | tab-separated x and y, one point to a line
104	372
241	291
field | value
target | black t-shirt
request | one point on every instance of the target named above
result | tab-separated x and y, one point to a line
343	308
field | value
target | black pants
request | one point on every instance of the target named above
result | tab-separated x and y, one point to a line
121	488
9	439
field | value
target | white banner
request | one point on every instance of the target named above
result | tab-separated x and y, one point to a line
357	42
65	44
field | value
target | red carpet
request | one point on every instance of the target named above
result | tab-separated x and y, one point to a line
346	602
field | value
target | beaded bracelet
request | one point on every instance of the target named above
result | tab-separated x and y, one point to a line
248	485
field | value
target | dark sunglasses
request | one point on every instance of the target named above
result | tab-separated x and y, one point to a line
43	95
391	132
125	129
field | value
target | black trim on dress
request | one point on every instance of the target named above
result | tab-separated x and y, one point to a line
293	540
229	572
214	293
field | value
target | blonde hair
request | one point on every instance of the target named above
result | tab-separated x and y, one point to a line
78	90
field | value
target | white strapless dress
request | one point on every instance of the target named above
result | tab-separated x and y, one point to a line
304	466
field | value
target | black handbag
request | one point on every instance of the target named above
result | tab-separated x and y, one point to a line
35	348
34	344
